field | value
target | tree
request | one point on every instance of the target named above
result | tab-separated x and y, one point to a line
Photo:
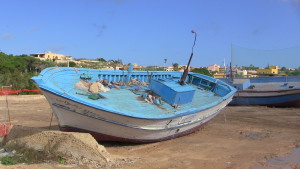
294	73
101	60
72	64
17	70
203	71
283	69
175	66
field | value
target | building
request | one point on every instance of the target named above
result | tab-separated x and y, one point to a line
182	67
58	58
272	70
222	69
137	67
243	73
219	75
213	68
170	68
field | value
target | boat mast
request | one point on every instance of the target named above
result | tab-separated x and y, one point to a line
186	71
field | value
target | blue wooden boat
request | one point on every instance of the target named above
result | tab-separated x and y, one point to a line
278	91
134	106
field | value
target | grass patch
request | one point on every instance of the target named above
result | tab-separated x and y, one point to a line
61	159
31	156
8	161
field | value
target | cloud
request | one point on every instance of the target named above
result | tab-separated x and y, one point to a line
7	36
57	48
100	29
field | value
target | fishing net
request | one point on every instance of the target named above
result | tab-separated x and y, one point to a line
7	91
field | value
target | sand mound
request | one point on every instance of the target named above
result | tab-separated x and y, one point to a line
77	146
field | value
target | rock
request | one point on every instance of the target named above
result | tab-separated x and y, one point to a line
82	85
94	88
102	88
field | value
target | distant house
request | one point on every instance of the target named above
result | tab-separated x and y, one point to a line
213	68
219	75
137	67
222	69
170	68
58	58
271	70
243	73
181	68
251	71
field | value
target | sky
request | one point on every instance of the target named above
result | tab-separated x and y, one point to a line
147	32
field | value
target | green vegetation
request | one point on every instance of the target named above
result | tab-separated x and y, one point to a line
61	159
31	156
153	68
8	161
284	70
17	70
251	67
175	66
203	71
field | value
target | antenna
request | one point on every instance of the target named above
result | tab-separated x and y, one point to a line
186	71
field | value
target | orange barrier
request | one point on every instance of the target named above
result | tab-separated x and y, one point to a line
12	91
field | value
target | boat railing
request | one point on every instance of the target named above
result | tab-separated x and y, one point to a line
209	83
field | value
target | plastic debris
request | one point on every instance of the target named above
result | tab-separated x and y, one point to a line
85	76
7	153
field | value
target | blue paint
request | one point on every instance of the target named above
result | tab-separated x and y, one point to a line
265	100
172	92
129	73
60	81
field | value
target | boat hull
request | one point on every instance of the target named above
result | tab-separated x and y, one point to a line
108	126
280	98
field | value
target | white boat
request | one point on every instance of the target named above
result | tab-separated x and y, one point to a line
137	106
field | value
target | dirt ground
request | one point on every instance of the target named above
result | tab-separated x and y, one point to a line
238	138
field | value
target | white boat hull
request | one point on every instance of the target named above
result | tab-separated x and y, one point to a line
103	125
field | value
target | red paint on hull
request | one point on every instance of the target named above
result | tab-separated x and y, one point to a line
103	137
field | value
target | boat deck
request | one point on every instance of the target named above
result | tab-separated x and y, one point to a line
124	101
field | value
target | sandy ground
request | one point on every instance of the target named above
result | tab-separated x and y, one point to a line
239	137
